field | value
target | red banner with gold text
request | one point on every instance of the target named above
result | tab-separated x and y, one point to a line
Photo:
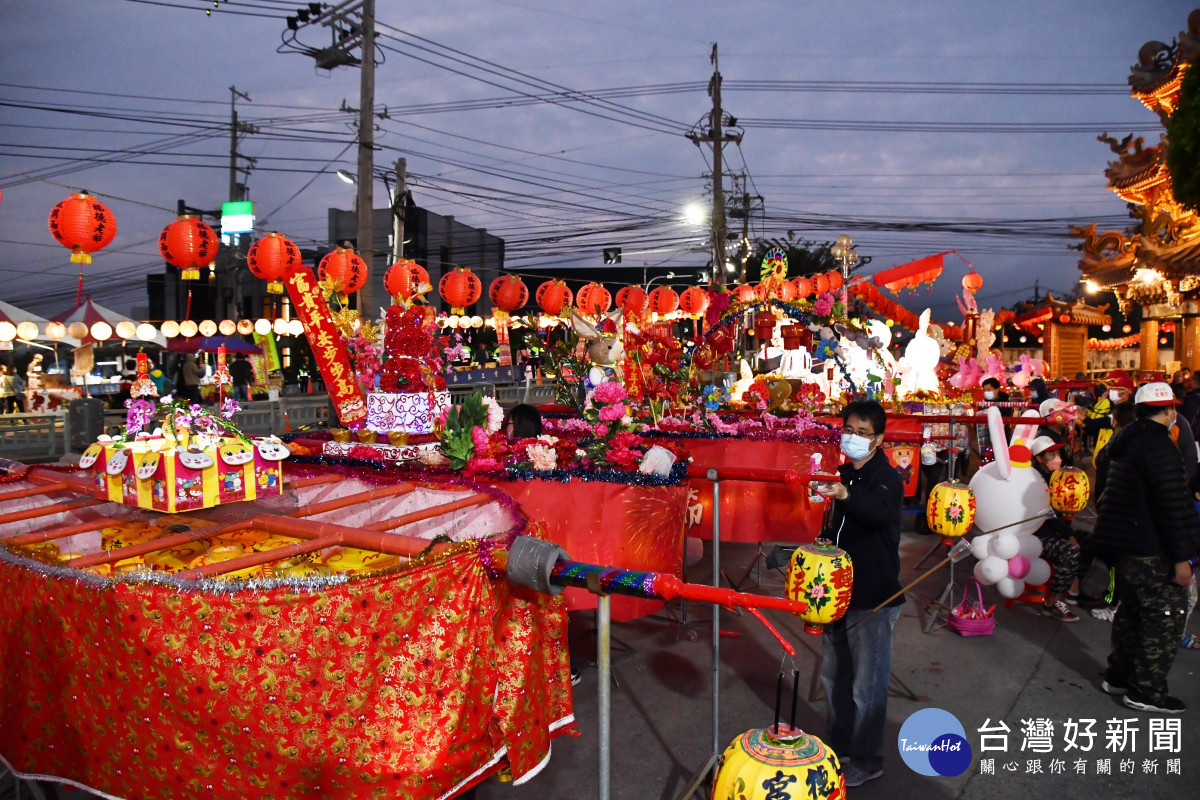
326	345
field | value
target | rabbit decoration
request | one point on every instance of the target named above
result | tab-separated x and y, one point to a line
921	356
969	374
604	348
1011	502
1030	368
994	367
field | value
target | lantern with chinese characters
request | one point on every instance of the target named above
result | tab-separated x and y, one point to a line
398	281
950	511
784	290
344	269
820	284
693	301
821	576
508	293
269	259
593	299
83	224
778	763
663	300
1069	490
803	287
746	293
554	297
460	289
632	299
189	244
835	279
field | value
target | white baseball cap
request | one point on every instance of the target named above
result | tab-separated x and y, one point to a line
1155	394
1043	444
1050	405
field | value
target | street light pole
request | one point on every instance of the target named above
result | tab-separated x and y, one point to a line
366	159
843	250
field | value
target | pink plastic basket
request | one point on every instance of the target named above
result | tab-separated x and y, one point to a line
969	617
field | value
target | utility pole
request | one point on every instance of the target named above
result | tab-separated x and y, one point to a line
399	206
235	193
230	266
717	137
366	159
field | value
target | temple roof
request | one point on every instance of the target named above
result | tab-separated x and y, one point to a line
1076	312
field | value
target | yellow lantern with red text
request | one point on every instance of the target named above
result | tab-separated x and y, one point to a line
820	576
778	763
950	511
1069	490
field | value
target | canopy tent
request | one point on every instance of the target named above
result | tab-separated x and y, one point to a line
10	313
90	313
210	344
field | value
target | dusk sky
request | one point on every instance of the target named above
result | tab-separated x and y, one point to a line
916	127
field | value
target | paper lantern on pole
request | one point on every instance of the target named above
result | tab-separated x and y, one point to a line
950	511
269	259
1069	490
189	244
84	225
593	299
632	299
693	301
821	576
460	289
663	300
554	297
803	287
746	293
345	269
778	763
508	293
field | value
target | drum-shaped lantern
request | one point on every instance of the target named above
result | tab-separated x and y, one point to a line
632	299
950	511
345	269
835	279
83	224
821	284
269	259
821	576
1069	490
693	301
508	293
399	280
460	289
663	300
803	286
776	763
593	299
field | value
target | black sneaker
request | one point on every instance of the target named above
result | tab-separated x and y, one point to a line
576	678
1085	600
1114	687
1168	705
1059	611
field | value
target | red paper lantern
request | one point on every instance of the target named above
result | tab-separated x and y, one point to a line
803	287
632	299
663	300
746	293
835	279
460	289
83	224
821	284
553	297
189	244
693	301
785	291
399	279
593	299
345	268
269	259
972	281
508	293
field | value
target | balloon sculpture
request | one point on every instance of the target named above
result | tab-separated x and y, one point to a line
1011	503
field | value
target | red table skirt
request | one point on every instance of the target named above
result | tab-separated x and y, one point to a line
413	684
613	524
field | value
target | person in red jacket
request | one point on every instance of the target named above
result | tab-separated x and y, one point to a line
857	649
1148	527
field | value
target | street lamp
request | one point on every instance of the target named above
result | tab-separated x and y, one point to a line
347	176
843	250
666	277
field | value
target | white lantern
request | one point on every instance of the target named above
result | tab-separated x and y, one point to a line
77	330
170	329
27	330
262	327
281	327
295	327
245	326
477	322
145	332
208	328
101	331
227	327
188	328
56	330
126	329
8	331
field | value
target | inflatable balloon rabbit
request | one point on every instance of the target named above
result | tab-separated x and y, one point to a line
995	368
921	355
1012	502
968	374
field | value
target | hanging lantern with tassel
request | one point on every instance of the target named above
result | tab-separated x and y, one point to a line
344	269
189	244
83	224
821	576
694	301
460	289
269	259
508	293
632	300
554	297
593	299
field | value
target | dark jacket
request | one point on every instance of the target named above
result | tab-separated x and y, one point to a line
1146	508
867	526
1189	412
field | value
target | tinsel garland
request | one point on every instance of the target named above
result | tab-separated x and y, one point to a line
629	478
810	436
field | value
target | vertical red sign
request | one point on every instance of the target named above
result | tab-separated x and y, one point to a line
326	345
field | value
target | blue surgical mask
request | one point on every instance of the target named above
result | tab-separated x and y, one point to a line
856	447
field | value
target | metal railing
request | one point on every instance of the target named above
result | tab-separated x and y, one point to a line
30	437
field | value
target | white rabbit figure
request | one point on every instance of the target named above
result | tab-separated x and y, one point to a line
605	352
1011	503
921	355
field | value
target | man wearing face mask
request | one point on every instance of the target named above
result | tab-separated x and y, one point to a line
857	649
1148	527
993	392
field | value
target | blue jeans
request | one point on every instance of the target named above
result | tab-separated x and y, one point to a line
856	668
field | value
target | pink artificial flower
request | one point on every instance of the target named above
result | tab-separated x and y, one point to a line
612	413
609	392
602	429
479	438
824	305
543	457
